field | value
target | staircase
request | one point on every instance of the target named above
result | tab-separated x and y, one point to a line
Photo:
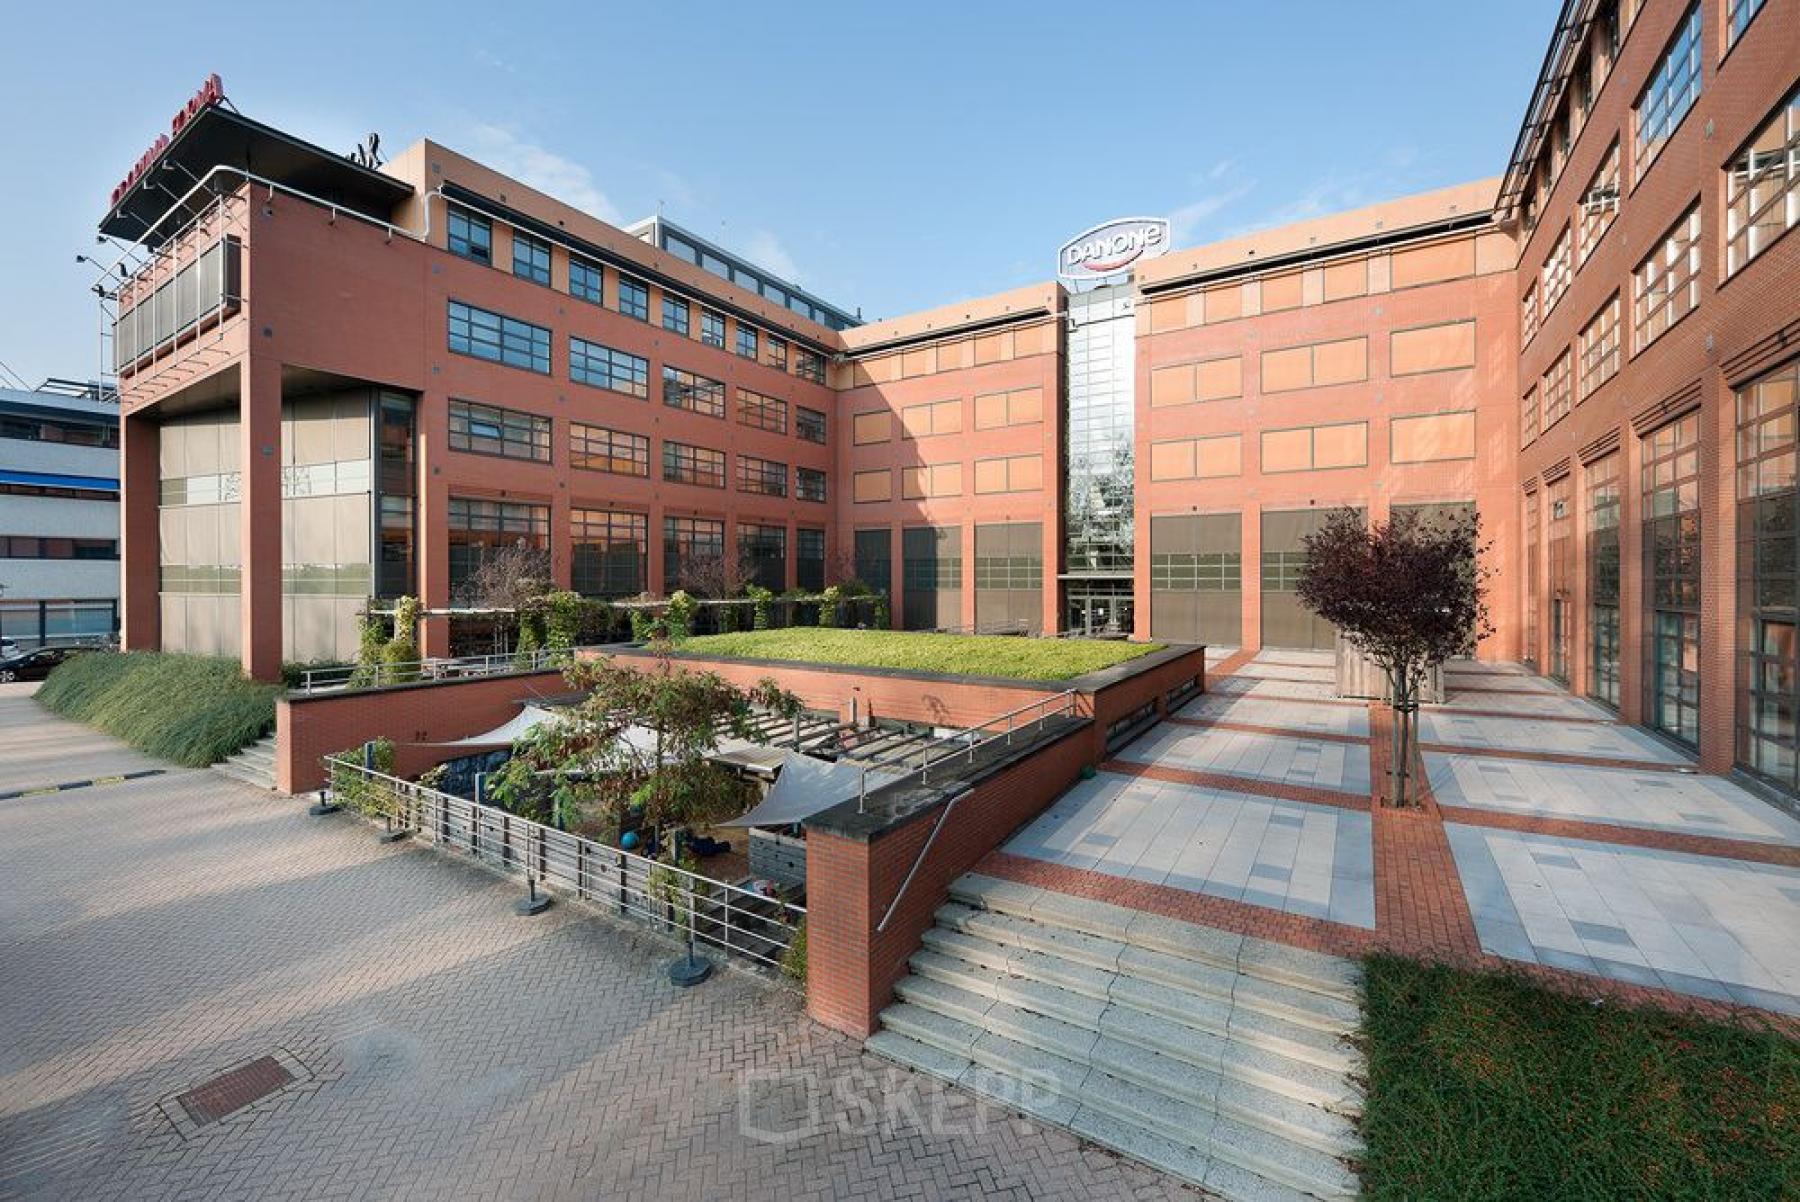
1215	1057
253	766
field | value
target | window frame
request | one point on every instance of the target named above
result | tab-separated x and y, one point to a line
633	370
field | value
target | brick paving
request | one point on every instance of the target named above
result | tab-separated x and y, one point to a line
155	933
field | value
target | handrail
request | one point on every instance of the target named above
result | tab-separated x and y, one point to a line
319	680
1068	700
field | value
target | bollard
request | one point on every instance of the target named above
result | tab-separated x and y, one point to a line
323	804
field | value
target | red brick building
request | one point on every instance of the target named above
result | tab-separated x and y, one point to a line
342	381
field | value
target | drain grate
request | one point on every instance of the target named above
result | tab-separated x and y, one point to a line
235	1089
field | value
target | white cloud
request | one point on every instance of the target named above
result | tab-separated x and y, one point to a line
766	250
1221	189
545	170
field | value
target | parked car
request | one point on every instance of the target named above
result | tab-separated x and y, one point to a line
8	647
31	665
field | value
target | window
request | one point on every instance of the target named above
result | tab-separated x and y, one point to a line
1342	362
1432	437
692	550
809	424
32	546
1738	15
763	550
675	314
746	341
1762	190
931	480
1528	417
875	426
1448	346
931	418
471	236
603	367
712	328
1316	448
684	464
634	298
599	449
498	339
478	528
49	429
809	365
1197	458
873	554
1599	348
696	394
1674	86
1528	314
1556	391
874	485
1600	203
775	352
1019	407
489	430
586	280
1603	578
1768	578
809	484
761	412
531	258
1667	283
1180	384
1671	573
809	559
1557	272
610	552
764	477
1014	473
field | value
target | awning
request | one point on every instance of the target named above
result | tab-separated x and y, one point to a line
504	736
807	786
55	480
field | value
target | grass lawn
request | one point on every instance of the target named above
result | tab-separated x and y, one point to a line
965	654
188	708
1483	1085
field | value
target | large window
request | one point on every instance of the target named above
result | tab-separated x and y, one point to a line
763	552
490	430
775	352
1599	203
70	433
675	314
693	552
1768	577
1599	346
604	367
499	339
684	464
1559	269
1738	15
1556	387
764	477
634	298
809	424
1671	548
1762	196
471	235
478	528
809	484
762	412
1528	417
712	328
1666	285
610	552
1671	92
1602	479
34	546
874	558
696	394
599	449
809	366
1528	314
586	280
531	258
809	559
1562	578
746	341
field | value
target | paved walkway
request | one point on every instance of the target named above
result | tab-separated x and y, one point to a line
156	932
41	750
1551	836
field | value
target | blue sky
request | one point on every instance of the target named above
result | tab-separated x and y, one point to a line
890	156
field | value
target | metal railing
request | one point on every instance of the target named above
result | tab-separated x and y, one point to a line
456	667
737	921
1063	704
961	746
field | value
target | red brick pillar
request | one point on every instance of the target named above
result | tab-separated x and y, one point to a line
139	530
840	927
260	521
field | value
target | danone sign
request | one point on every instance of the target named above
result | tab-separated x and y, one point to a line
1111	247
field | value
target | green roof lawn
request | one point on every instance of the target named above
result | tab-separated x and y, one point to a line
956	654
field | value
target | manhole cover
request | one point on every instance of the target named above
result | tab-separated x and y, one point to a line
233	1090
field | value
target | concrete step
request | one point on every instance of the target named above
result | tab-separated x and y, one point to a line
1299	968
1123	1113
253	765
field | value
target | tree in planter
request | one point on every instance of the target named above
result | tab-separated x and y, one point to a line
1407	594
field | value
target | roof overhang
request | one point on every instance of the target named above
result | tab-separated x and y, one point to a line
221	137
1553	78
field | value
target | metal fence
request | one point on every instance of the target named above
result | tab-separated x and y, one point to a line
456	667
957	752
737	921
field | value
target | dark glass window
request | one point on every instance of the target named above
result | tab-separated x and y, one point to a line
531	258
675	314
586	280
33	546
764	477
809	484
499	339
610	552
1671	548
763	550
875	559
696	394
712	328
490	430
471	236
479	528
762	412
692	549
604	367
634	298
684	464
809	424
746	340
599	449
809	559
49	429
809	366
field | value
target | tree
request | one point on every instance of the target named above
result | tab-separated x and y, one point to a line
1407	594
508	577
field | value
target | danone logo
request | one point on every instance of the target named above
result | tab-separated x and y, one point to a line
1112	247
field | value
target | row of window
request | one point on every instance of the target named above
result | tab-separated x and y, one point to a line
471	235
34	546
50	429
